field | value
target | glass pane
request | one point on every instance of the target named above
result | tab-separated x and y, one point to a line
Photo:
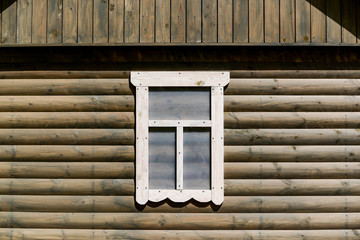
196	158
162	158
179	103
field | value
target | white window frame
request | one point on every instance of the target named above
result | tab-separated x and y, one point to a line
216	81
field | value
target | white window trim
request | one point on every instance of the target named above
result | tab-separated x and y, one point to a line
142	81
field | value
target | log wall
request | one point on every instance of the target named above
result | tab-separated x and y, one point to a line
292	164
111	22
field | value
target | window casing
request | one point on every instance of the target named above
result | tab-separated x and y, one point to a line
179	136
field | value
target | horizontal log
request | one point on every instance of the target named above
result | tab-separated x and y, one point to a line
275	103
240	170
292	136
291	120
85	234
231	204
68	120
281	170
105	86
62	74
91	170
276	86
234	74
67	186
124	103
292	153
67	136
111	187
163	221
295	74
66	153
292	187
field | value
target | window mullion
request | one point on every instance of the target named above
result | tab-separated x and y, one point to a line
179	158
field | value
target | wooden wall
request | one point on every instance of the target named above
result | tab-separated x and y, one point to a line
179	21
67	161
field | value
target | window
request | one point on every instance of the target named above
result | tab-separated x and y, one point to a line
179	136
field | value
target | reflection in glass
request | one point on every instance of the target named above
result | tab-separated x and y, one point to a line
162	158
196	158
179	103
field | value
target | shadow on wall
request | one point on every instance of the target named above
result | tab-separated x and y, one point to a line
6	3
342	12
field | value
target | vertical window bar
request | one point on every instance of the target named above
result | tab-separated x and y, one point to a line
142	139
217	145
179	157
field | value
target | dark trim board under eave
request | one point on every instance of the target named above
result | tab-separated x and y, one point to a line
180	57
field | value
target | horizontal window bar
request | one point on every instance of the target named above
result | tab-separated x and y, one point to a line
182	123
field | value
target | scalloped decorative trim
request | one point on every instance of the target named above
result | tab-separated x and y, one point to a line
180	195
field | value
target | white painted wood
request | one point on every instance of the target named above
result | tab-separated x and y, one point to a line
180	195
179	158
216	80
217	145
180	79
182	123
142	139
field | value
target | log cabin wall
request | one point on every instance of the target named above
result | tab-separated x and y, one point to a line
291	159
110	22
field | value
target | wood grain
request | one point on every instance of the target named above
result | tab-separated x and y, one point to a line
30	186
348	21
287	86
318	21
209	21
162	23
39	21
70	21
54	21
193	28
296	74
330	171
66	103
298	103
358	23
333	21
298	120
68	120
61	74
17	87
287	21
1	6
241	21
290	153
116	21
131	24
225	18
178	21
292	136
101	21
58	153
256	21
66	137
272	20
201	221
84	234
303	19
66	170
147	21
8	15
123	206
302	190
24	15
85	21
